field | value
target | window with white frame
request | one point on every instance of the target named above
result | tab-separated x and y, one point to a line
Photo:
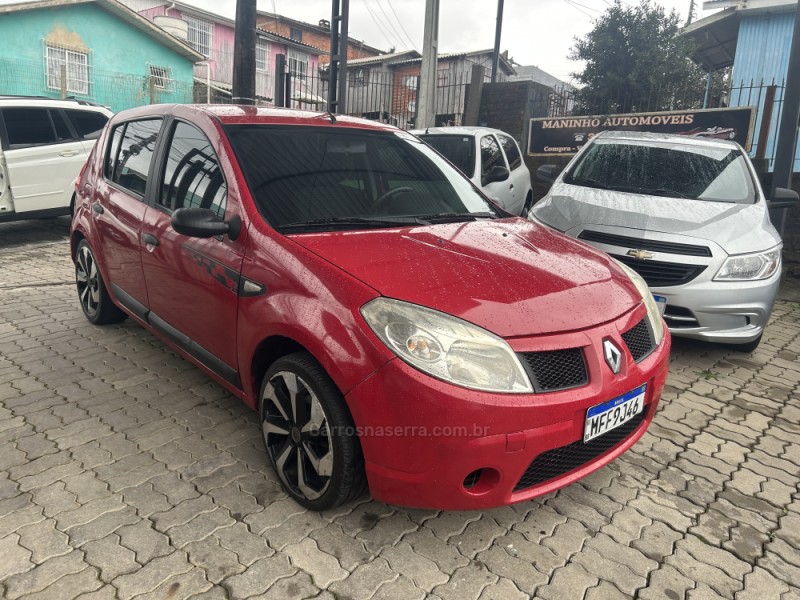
199	34
298	64
160	76
263	75
75	65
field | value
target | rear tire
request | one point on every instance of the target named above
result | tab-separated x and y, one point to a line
309	434
526	208
92	293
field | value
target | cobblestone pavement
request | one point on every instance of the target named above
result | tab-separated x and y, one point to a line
126	473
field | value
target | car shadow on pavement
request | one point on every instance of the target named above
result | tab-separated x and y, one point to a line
33	231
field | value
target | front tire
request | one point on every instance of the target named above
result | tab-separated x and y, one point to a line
309	434
92	292
749	346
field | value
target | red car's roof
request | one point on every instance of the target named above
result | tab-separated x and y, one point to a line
242	115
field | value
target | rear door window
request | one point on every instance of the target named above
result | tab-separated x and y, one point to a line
88	124
129	163
490	155
511	150
62	129
27	127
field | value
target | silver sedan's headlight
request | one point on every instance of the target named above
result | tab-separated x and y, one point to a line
750	267
653	314
446	347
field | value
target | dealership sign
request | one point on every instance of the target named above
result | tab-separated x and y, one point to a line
567	135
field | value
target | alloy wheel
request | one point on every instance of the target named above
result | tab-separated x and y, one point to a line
297	435
88	280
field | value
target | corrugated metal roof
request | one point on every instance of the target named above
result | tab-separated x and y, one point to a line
289	41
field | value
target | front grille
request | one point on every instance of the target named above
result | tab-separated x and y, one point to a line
677	317
660	274
639	340
559	461
640	244
556	369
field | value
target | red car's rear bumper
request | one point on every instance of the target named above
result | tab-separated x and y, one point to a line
422	437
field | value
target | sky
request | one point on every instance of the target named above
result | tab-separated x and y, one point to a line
537	32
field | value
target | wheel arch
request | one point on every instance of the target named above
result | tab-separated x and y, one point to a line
266	353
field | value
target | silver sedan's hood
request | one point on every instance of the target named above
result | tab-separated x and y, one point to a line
736	228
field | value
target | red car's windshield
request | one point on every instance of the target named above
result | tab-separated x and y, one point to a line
324	175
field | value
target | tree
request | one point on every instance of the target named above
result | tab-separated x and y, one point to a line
635	62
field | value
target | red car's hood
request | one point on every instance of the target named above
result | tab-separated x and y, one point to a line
510	276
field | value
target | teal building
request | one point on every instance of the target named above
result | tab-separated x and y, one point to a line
96	50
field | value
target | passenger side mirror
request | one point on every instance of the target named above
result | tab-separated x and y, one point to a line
783	198
204	223
497	173
547	173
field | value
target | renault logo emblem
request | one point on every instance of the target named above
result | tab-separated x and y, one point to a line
613	356
640	254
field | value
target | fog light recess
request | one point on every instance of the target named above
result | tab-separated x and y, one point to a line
481	481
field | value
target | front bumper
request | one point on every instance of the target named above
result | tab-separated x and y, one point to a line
422	438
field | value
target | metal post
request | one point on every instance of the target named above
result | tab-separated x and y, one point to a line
337	70
498	30
790	115
766	122
279	96
63	75
426	99
709	78
244	53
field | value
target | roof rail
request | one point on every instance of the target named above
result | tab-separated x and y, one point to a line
50	98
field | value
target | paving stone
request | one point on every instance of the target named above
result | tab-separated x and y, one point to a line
180	587
200	527
110	557
716	557
323	568
605	567
570	581
102	526
145	541
364	581
247	546
500	562
14	558
567	539
86	487
299	524
45	574
152	575
258	577
423	572
657	541
183	513
69	586
43	540
760	585
387	532
538	555
217	562
297	586
701	572
426	544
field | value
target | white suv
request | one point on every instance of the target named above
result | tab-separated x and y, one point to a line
490	158
43	145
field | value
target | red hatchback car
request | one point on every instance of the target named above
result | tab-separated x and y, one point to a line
392	326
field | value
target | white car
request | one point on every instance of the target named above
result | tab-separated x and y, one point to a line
490	158
44	143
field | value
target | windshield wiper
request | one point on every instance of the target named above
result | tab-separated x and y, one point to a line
347	222
455	217
590	183
660	192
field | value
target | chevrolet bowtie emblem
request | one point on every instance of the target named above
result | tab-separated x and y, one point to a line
640	254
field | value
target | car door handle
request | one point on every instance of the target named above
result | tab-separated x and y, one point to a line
69	153
511	187
98	208
150	239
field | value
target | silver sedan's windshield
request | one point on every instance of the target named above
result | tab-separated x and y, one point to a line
326	178
713	174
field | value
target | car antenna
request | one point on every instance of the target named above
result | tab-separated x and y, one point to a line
426	129
330	115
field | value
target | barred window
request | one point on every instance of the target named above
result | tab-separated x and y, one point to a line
298	64
76	65
160	76
262	55
199	34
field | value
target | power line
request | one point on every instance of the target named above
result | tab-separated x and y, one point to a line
388	22
399	22
377	23
577	8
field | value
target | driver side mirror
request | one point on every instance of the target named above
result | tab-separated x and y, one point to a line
547	173
497	173
204	223
783	198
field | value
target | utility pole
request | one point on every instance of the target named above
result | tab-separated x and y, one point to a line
692	11
498	30
426	101
337	69
244	53
790	115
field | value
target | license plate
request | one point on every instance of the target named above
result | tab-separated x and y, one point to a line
661	302
604	417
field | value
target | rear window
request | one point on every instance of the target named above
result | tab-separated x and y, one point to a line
88	124
458	149
712	174
131	154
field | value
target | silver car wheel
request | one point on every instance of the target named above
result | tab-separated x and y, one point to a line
297	435
86	276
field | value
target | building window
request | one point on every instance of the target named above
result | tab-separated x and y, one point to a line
298	64
160	76
76	63
411	82
296	34
263	75
359	77
199	36
262	55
